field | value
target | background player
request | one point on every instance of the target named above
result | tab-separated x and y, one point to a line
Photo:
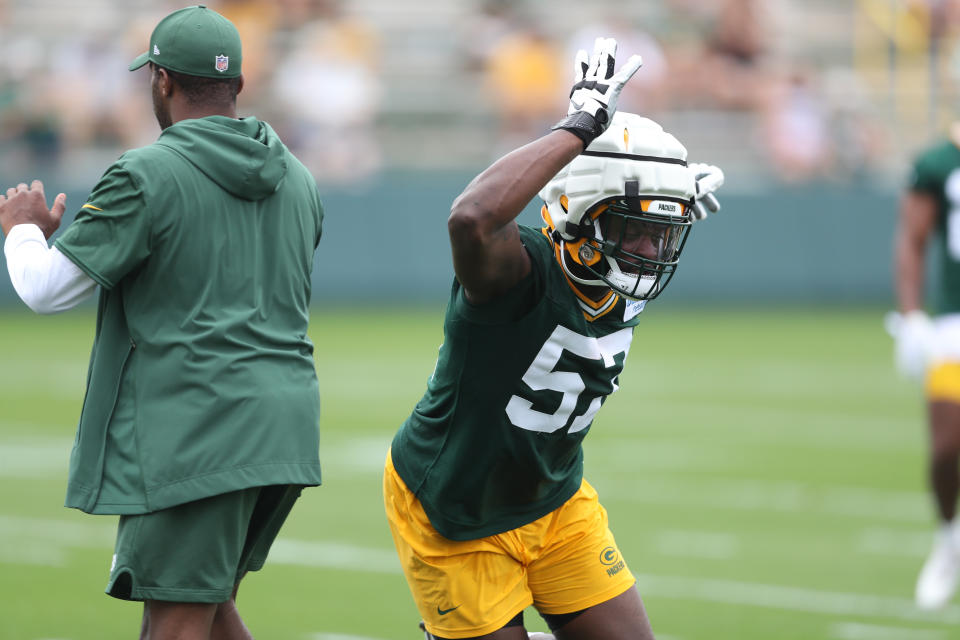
930	350
483	486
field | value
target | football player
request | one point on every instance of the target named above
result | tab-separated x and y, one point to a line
929	349
483	485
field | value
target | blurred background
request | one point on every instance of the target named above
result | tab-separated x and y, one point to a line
763	465
812	107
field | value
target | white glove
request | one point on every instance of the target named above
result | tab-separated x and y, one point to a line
709	178
915	342
596	88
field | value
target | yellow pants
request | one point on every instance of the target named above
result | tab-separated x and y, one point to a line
564	562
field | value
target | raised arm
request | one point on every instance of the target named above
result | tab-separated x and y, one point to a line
488	256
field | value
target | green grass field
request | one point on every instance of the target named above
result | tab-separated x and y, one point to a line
763	471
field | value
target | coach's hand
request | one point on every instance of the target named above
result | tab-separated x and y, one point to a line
708	178
593	99
28	205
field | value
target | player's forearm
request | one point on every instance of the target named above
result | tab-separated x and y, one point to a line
909	274
45	279
917	221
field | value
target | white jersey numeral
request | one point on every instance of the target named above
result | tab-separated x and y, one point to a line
951	189
541	376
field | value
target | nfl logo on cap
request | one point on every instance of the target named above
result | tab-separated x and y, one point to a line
222	62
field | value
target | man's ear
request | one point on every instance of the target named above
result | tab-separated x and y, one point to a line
240	85
164	82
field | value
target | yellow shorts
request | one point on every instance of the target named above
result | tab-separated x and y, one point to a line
943	382
564	562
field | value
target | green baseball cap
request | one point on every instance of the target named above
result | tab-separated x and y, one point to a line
195	41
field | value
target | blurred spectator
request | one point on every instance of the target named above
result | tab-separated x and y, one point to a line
137	130
525	81
485	29
858	133
30	129
729	70
942	15
315	73
795	129
90	106
735	50
738	34
329	90
257	22
293	14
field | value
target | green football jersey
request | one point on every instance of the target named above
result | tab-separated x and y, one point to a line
201	379
936	171
495	443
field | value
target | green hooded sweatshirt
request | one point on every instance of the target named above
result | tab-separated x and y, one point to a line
201	378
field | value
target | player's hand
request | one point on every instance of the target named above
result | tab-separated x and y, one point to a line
596	88
709	178
28	205
914	345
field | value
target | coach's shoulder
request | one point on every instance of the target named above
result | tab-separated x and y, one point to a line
144	161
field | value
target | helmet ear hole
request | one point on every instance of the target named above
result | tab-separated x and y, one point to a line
564	203
584	253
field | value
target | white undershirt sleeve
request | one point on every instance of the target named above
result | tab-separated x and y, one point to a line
45	279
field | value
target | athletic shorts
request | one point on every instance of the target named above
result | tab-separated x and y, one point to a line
564	562
943	382
198	551
943	374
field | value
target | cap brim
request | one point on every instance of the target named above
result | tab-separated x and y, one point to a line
140	60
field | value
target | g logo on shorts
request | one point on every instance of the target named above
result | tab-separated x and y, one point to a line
609	556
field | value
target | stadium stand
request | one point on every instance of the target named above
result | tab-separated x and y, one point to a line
879	77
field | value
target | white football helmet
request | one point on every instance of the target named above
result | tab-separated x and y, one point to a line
620	212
